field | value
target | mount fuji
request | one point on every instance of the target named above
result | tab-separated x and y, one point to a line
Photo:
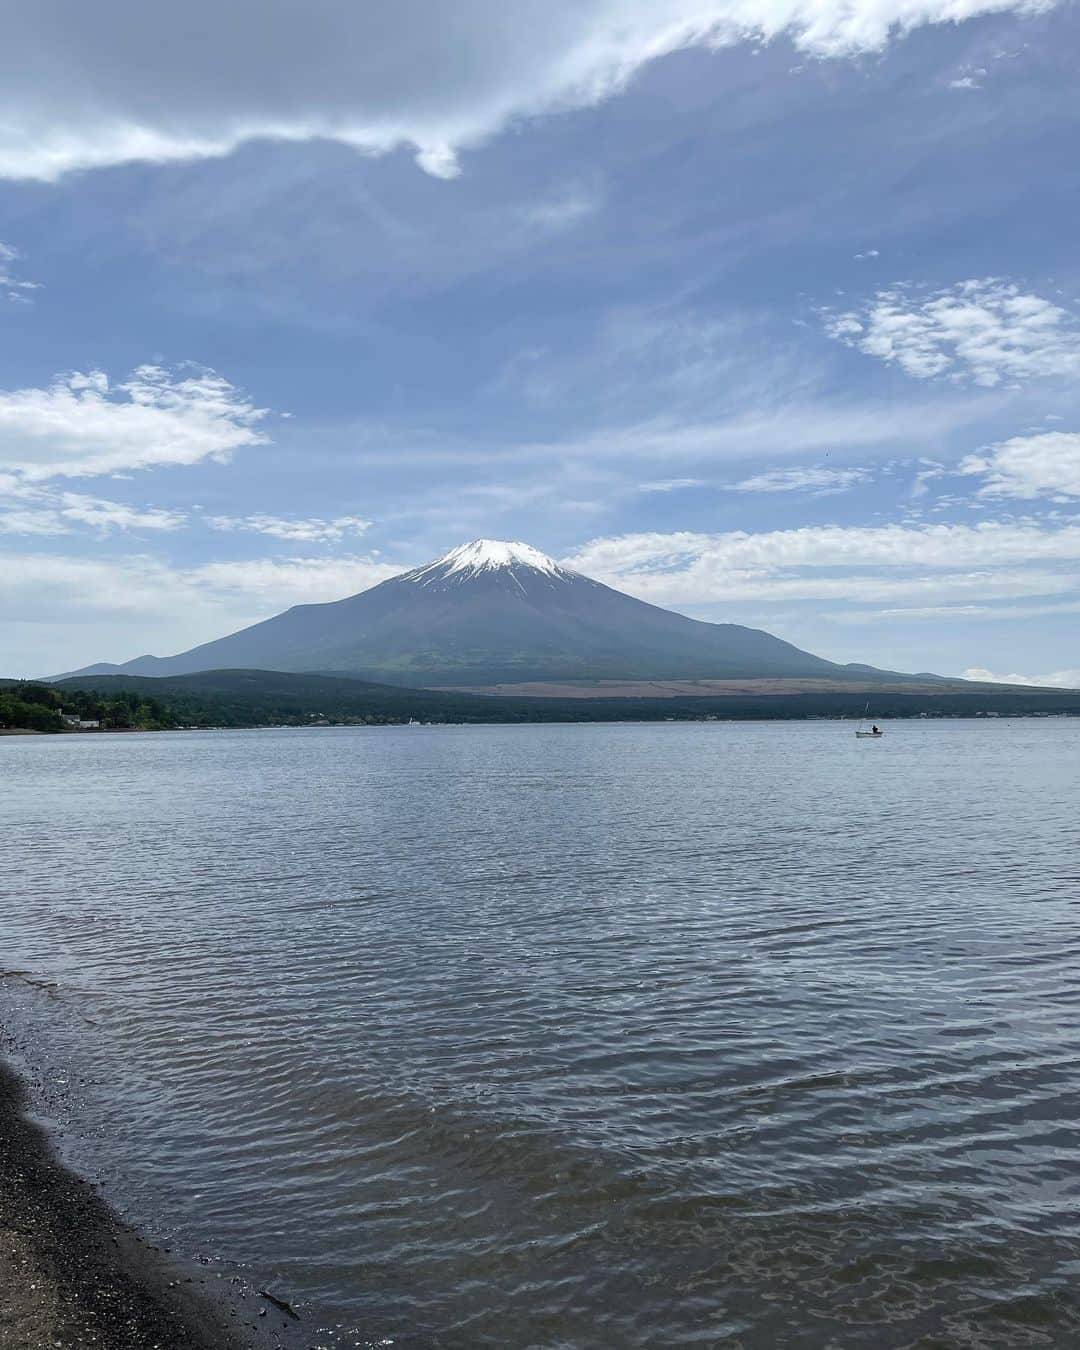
494	612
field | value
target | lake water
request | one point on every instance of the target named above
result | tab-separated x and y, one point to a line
567	1036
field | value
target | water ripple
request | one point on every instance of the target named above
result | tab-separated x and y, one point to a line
581	1036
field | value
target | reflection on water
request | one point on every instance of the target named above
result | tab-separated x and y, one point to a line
583	1036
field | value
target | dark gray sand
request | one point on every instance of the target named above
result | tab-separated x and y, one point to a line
73	1275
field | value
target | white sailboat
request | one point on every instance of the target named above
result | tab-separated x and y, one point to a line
875	733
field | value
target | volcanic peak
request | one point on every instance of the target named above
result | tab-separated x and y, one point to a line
486	555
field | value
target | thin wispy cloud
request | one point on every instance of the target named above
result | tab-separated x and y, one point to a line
31	520
171	604
815	479
986	331
1059	679
14	288
106	516
794	428
311	530
982	545
42	510
671	484
998	612
845	565
559	212
125	604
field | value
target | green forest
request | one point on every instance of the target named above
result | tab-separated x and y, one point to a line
29	706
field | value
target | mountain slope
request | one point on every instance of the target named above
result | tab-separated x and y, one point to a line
492	612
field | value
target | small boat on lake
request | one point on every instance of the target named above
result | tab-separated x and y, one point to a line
875	733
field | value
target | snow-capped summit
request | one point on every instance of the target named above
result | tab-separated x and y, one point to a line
486	555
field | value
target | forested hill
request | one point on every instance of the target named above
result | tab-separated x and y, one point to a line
252	698
32	706
229	698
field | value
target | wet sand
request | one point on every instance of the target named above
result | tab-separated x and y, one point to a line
73	1275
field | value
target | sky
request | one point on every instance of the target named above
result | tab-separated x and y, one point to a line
765	312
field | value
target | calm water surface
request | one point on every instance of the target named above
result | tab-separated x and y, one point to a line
677	1035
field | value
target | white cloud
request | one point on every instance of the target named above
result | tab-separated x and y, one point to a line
870	253
987	331
82	426
987	544
106	516
977	611
1047	465
11	486
13	288
559	213
816	480
273	584
296	530
671	484
931	469
776	586
71	611
52	512
86	86
1025	609
1060	679
31	520
933	563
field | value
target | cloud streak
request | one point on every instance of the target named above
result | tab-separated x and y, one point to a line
44	511
14	288
814	479
170	608
1060	679
311	530
935	564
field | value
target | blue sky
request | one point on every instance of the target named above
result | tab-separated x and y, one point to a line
765	312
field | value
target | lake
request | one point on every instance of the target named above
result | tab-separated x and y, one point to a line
573	1036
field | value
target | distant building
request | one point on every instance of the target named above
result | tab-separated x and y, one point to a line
80	724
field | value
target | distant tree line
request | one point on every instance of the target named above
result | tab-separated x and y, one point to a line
252	698
30	706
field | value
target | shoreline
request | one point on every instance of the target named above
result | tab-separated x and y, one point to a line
74	1275
757	718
